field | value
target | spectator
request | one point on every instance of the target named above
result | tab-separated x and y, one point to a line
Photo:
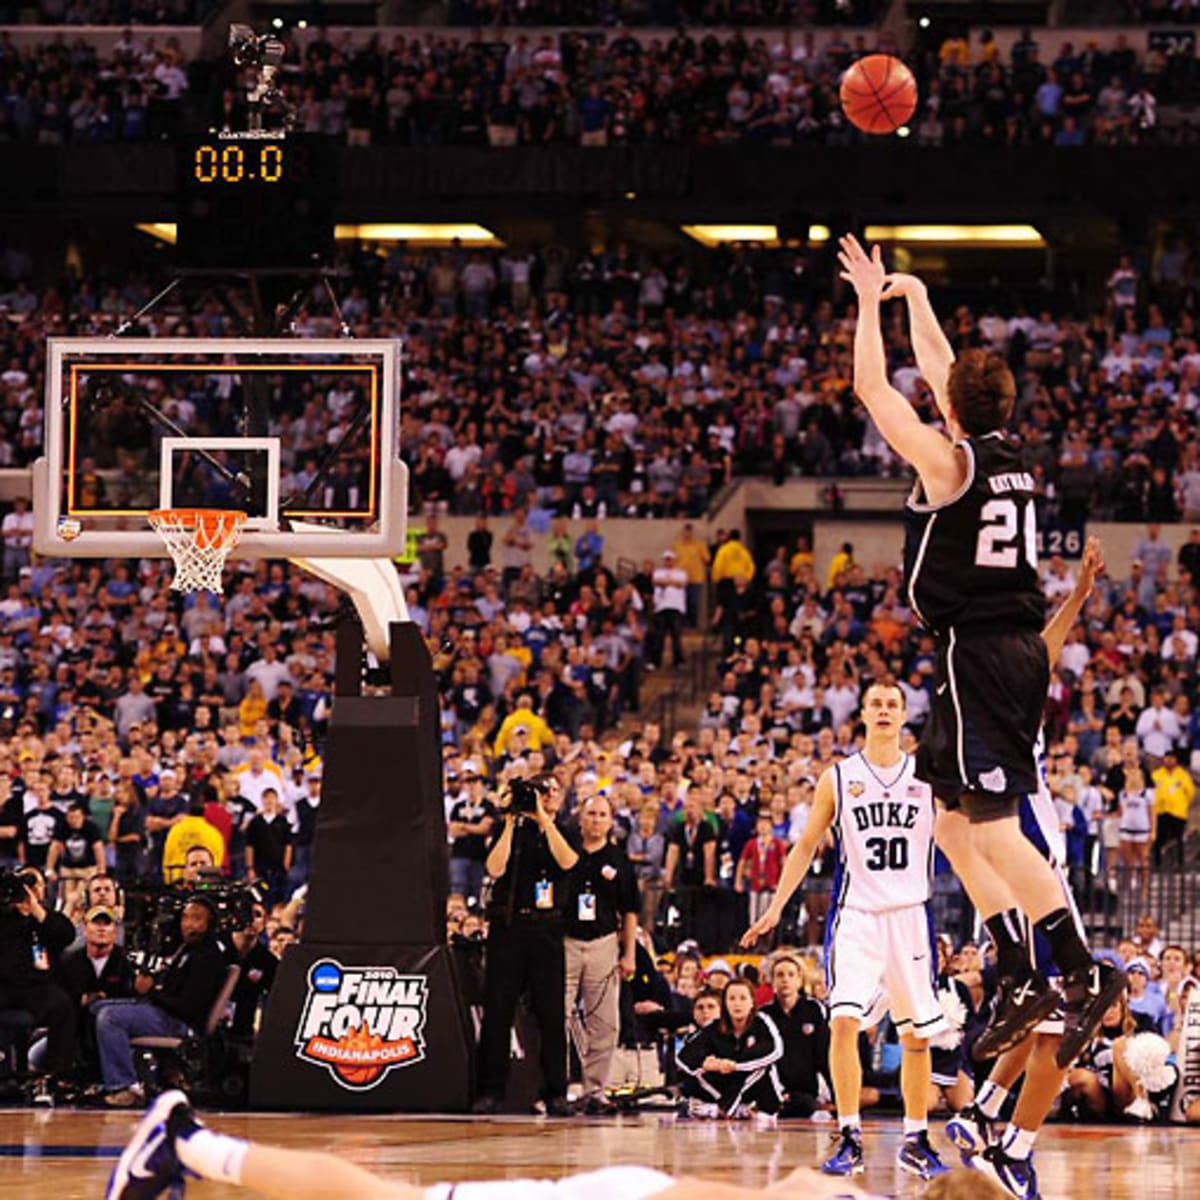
760	866
1174	791
472	818
804	1029
192	830
670	609
726	1063
269	847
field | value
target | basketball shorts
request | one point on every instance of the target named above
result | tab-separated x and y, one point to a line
977	748
889	953
946	1065
628	1183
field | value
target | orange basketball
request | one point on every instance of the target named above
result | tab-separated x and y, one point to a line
879	94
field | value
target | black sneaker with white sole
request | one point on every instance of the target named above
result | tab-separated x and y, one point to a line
1087	995
1019	1007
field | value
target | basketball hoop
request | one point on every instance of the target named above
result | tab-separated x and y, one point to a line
199	540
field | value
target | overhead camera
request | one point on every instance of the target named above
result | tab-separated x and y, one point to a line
262	54
250	49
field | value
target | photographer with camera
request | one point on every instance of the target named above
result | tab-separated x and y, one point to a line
601	910
173	1006
528	860
31	938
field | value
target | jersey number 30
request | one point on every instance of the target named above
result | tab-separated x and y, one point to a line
887	855
998	535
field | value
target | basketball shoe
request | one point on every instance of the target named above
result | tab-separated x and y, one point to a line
148	1165
1015	1175
847	1159
1019	1007
1087	995
917	1157
970	1131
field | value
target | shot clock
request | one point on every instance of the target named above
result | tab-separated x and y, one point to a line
256	200
233	162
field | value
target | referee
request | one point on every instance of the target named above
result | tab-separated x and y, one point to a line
601	912
529	861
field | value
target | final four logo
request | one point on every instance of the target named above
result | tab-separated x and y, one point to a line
362	1022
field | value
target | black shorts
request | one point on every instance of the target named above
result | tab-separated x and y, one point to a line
977	750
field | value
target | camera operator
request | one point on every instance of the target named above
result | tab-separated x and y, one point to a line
31	938
171	1007
601	912
249	949
528	861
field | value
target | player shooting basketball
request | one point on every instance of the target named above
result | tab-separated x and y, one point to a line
971	564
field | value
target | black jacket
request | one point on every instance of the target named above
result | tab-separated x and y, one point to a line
18	937
78	976
193	978
805	1033
758	1048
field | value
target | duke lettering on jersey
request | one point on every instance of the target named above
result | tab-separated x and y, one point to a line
883	826
885	814
972	560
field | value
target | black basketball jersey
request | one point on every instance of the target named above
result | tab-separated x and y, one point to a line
972	560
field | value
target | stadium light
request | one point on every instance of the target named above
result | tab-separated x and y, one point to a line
418	234
716	235
1015	236
421	233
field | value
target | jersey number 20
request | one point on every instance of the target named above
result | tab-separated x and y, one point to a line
998	535
887	855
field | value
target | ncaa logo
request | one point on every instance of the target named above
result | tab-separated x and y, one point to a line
362	1022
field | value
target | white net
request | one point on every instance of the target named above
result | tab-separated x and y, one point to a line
199	540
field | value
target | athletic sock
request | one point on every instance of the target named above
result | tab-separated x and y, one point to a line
213	1155
850	1121
991	1099
913	1128
1068	949
1018	1143
1007	930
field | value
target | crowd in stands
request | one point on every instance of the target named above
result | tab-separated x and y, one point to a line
661	13
67	91
534	89
145	733
640	384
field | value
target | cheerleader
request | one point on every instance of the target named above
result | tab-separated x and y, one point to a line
1137	827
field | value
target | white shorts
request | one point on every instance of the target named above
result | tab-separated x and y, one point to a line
890	952
612	1183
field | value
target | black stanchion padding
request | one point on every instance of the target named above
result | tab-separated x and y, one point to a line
367	1013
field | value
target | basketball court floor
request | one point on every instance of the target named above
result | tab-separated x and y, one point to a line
66	1155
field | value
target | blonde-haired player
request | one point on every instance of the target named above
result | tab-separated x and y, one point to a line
878	937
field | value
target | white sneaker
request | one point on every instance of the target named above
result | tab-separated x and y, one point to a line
1141	1110
702	1110
764	1120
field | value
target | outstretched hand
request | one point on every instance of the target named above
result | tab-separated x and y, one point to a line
865	273
759	929
1092	566
898	285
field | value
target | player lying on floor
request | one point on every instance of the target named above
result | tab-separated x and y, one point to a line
171	1140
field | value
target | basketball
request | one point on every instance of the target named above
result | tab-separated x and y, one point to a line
878	94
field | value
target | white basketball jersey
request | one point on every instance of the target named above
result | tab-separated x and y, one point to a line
884	827
1041	806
